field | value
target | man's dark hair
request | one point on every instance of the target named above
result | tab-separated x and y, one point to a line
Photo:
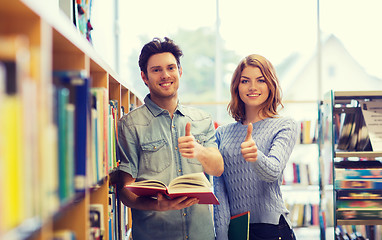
158	46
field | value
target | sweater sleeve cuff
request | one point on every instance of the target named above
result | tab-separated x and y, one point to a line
260	159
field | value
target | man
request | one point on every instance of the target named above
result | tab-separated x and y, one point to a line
162	140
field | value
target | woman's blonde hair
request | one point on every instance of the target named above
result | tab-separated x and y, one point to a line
236	107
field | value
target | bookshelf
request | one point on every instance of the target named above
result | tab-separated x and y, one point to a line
36	41
346	152
300	187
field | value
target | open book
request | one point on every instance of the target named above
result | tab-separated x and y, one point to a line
194	185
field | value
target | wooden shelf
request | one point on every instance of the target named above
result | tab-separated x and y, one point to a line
359	222
357	94
335	103
358	154
54	43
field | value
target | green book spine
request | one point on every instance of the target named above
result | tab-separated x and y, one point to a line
62	95
70	109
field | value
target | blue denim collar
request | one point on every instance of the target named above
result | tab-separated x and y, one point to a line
156	110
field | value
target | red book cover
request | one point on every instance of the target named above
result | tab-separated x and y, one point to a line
190	185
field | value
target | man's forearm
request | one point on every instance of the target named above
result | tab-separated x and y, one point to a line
211	160
133	201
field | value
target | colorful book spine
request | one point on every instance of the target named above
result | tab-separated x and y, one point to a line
361	214
79	85
11	149
349	173
114	132
357	184
70	161
95	158
81	120
64	235
97	225
62	99
102	130
109	140
359	194
359	204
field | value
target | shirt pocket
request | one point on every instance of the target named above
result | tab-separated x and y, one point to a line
156	156
201	139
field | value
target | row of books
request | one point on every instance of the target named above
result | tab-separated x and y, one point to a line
358	162
96	232
358	232
98	145
56	138
79	12
299	173
351	133
358	178
119	218
359	213
308	132
22	164
358	193
118	222
356	172
87	134
303	214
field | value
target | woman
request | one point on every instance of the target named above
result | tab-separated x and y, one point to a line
255	150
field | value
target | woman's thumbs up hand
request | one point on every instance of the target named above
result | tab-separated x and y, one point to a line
248	147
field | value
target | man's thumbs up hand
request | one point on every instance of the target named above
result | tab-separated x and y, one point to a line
188	129
248	147
188	148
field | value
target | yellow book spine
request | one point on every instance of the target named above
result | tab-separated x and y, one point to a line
11	150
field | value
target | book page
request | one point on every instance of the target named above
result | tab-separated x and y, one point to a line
372	112
190	180
188	188
150	184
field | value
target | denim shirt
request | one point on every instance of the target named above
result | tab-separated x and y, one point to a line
148	145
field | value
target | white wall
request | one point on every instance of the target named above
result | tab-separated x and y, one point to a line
103	33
